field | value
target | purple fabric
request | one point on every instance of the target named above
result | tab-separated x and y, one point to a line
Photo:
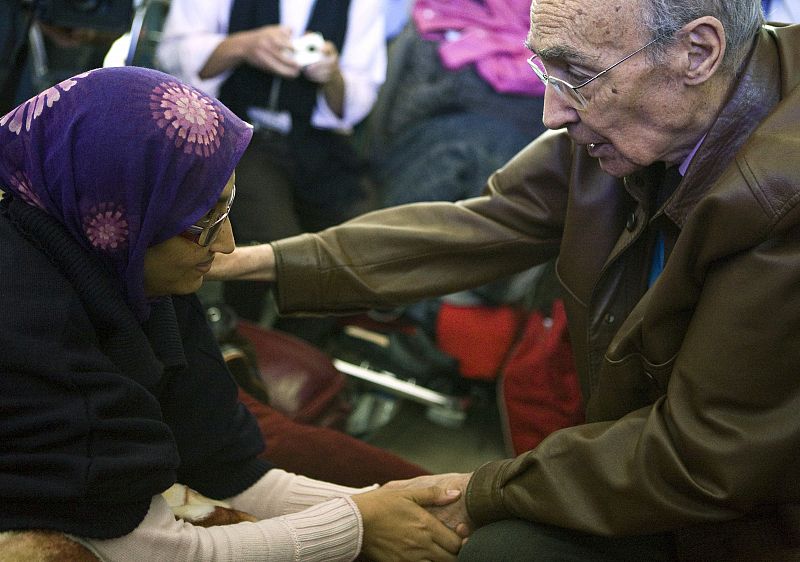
124	158
489	33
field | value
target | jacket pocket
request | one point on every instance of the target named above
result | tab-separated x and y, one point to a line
658	374
626	384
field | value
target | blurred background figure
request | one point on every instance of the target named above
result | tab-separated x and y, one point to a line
45	41
457	104
301	172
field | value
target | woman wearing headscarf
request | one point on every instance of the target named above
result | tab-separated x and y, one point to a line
117	187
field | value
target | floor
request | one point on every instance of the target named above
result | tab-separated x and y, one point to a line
429	437
420	436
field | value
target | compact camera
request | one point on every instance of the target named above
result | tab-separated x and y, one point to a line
308	48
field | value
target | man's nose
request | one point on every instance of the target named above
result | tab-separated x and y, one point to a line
557	113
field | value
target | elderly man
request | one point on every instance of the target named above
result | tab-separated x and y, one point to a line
669	189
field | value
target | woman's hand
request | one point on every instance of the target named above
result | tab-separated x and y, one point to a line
453	514
397	526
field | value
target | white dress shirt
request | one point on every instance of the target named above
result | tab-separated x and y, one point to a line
194	28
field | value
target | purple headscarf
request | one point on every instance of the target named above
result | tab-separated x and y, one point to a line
124	158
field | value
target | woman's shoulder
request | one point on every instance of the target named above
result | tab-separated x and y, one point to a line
31	286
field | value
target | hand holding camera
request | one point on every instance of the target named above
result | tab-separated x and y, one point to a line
308	49
318	58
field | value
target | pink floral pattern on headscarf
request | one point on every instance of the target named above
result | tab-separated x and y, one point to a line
35	106
188	118
123	158
106	227
20	182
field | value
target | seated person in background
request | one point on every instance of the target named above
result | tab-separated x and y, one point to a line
457	101
455	107
301	173
118	183
669	191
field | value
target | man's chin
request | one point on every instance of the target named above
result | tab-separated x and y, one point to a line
616	166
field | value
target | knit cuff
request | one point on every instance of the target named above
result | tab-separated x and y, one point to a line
305	492
279	492
332	530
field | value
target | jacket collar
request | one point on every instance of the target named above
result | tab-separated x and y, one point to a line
753	96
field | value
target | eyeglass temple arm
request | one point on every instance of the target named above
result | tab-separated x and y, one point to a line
639	50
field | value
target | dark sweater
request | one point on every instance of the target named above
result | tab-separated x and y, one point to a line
97	412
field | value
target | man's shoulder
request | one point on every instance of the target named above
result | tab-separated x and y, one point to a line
787	40
768	161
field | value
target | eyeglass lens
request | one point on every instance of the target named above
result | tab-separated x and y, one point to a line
567	92
205	234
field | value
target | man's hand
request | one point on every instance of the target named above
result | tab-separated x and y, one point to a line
454	514
398	528
251	263
269	48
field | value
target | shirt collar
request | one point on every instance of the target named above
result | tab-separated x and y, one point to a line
688	160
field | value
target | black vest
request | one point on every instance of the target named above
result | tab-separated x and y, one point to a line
248	86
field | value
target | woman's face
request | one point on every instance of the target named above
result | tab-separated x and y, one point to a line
177	266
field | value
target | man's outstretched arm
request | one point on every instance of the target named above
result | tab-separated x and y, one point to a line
252	263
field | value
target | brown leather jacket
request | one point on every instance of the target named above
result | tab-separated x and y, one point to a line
692	386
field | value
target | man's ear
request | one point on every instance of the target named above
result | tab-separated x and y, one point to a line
703	44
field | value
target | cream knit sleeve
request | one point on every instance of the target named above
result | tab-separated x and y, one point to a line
331	530
279	492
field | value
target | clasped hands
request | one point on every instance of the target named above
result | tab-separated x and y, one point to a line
424	518
454	514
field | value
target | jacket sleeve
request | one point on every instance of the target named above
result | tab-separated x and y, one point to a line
402	254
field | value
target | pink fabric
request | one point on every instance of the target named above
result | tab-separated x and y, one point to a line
490	34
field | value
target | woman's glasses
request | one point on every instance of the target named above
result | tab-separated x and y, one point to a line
207	231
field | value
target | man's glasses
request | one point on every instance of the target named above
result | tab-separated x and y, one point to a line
207	231
567	91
